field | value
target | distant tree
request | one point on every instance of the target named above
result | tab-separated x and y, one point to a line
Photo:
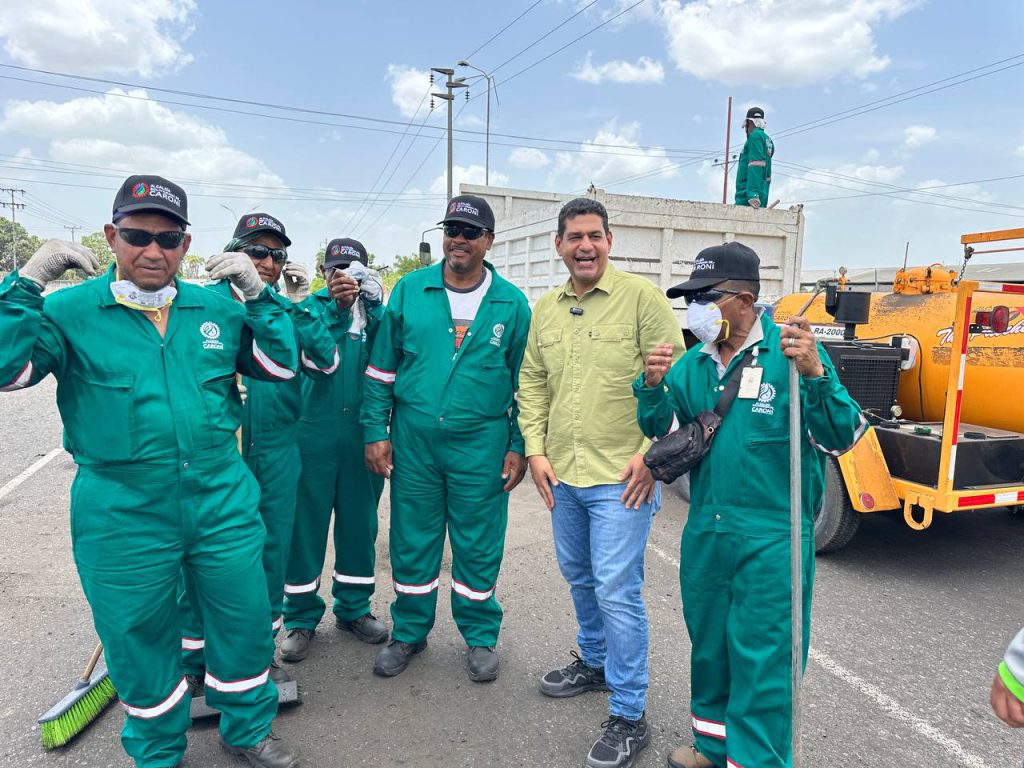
401	267
192	266
97	243
26	244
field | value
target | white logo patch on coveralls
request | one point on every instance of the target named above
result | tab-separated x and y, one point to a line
763	404
497	332
211	335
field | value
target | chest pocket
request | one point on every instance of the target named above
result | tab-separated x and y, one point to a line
614	348
99	415
552	353
223	404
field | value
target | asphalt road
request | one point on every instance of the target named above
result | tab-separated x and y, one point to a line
907	630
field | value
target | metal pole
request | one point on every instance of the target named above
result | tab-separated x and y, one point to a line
487	155
796	555
72	231
14	227
450	100
728	136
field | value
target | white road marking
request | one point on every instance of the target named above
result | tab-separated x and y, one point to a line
26	474
888	704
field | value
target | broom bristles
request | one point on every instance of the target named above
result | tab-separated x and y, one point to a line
62	729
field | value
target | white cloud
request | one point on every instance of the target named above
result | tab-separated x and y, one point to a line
917	135
472	174
645	70
600	163
848	179
780	43
408	85
528	158
135	135
95	37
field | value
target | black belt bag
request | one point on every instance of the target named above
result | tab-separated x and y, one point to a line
677	453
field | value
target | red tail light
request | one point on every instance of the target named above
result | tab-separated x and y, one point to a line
996	319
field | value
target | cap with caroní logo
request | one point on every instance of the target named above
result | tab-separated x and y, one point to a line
755	113
470	209
342	251
154	194
254	224
714	265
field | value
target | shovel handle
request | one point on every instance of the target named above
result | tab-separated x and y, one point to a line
93	661
238	432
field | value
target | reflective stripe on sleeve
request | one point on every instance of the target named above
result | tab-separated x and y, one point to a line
192	643
757	164
342	578
278	624
708	727
274	369
163	707
673	427
301	589
388	377
416	589
732	764
857	435
237	686
314	367
21	380
471	594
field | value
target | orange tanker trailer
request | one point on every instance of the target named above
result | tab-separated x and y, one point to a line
938	366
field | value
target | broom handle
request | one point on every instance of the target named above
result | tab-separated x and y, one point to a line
93	661
238	433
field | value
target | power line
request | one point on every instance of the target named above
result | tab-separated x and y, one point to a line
921	190
543	37
503	30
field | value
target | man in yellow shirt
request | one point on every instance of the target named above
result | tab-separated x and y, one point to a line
588	340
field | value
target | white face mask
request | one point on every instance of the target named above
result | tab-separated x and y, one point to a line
705	322
130	295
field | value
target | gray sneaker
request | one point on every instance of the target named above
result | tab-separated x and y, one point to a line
270	752
366	628
573	680
295	646
482	664
621	742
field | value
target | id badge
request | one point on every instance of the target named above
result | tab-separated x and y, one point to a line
750	383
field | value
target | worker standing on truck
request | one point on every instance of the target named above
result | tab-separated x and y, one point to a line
334	475
442	376
734	569
145	367
754	168
270	415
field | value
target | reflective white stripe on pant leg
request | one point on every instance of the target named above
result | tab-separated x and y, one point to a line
278	623
164	706
708	727
192	643
341	578
21	380
237	686
416	589
472	594
301	589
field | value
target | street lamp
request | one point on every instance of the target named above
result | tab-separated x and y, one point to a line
490	83
236	216
425	258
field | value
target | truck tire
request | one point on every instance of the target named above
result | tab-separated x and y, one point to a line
681	485
837	521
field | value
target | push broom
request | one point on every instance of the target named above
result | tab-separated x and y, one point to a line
72	714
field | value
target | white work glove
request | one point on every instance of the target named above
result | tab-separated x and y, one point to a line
238	269
754	202
370	286
296	281
54	258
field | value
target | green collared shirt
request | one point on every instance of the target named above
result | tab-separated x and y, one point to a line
575	398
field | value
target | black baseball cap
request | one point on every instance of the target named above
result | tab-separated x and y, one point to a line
254	224
470	209
342	251
714	265
755	113
151	193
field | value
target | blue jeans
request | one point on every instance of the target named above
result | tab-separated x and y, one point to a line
600	548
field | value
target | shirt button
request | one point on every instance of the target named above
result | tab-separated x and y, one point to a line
718	517
451	330
185	465
441	419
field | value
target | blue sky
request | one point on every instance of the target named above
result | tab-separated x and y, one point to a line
643	96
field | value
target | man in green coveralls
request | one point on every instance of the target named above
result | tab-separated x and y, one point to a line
443	375
334	475
270	415
145	367
734	561
754	168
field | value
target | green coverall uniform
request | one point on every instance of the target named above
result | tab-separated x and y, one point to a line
453	418
334	477
151	423
754	168
270	418
734	557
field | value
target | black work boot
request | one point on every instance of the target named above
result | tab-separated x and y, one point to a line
394	657
196	684
621	742
573	680
482	664
278	673
295	646
270	752
367	628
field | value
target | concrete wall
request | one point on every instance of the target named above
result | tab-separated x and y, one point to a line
654	237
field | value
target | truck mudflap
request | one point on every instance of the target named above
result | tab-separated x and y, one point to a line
866	475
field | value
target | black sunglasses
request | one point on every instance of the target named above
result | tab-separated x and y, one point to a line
468	231
260	252
712	296
140	238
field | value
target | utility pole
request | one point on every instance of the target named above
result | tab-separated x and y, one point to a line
72	231
728	135
487	140
450	84
14	229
